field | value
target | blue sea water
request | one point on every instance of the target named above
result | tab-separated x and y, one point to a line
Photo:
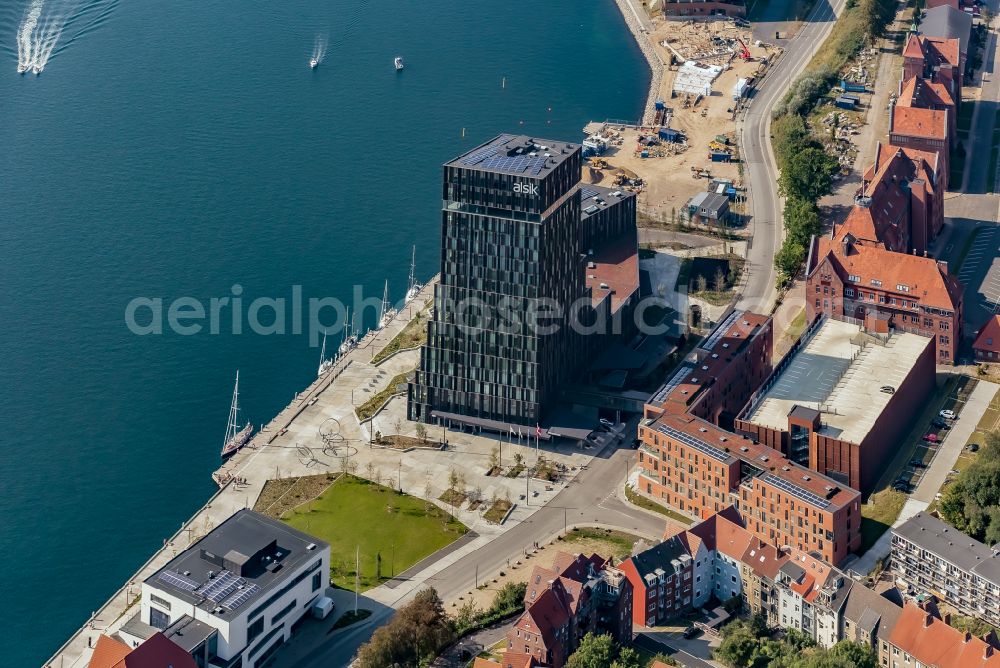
173	149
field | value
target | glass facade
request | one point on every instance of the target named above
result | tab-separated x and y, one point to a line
498	342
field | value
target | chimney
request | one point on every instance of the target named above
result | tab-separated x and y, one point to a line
968	637
928	620
987	652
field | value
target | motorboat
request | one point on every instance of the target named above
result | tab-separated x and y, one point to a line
398	63
313	63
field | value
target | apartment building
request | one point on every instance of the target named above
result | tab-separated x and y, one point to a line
859	279
870	617
662	579
576	596
930	556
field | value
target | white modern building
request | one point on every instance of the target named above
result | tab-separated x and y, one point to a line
232	598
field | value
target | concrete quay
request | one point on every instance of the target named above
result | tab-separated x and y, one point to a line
291	445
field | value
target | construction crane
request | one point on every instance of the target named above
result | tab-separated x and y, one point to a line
745	52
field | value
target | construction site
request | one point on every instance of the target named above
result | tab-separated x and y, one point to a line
710	70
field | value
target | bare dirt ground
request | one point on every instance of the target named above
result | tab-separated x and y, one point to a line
669	180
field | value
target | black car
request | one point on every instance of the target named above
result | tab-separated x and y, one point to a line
690	632
939	423
973	447
902	487
917	464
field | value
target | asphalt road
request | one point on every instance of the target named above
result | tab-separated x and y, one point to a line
760	168
590	499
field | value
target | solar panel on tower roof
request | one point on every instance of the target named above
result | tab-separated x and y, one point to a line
178	580
587	193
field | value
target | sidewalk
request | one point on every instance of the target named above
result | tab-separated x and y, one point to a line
940	467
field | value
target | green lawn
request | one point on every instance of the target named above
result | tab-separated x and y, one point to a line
879	514
355	513
638	499
605	542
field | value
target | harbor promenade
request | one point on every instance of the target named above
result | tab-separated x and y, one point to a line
303	440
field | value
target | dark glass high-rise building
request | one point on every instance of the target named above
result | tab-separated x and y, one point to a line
510	226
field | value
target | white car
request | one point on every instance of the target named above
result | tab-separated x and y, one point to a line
947	414
607	423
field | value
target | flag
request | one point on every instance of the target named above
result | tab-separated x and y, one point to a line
538	430
511	428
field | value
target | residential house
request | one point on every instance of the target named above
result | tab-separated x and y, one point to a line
154	652
921	639
869	618
709	208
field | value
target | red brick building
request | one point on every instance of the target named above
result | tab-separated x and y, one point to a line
986	347
661	582
843	423
691	463
578	595
936	58
859	279
900	203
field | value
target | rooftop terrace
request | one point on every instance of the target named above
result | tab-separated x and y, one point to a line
839	372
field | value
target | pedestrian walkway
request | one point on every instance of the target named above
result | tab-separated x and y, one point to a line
950	449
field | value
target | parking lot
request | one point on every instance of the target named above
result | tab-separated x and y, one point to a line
980	274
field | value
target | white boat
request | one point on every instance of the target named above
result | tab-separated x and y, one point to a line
22	68
324	363
387	312
350	341
398	63
313	63
236	437
414	288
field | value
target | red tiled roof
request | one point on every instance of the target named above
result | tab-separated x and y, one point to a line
989	336
916	122
108	653
927	281
948	50
545	617
159	652
913	48
925	94
933	643
509	660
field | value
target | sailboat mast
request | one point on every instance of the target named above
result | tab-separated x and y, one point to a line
234	410
413	267
385	301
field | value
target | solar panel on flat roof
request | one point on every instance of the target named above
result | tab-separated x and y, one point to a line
796	491
241	597
178	580
587	193
721	330
676	380
695	443
221	586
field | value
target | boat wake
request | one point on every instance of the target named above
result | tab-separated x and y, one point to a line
319	50
44	23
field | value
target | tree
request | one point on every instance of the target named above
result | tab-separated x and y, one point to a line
738	646
509	598
802	220
627	658
808	174
593	652
855	654
370	470
719	281
789	258
453	479
700	283
397	424
790	136
415	634
518	458
494	458
421	432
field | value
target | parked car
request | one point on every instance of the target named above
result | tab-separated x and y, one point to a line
917	464
902	487
888	389
690	632
947	414
607	423
940	424
973	447
931	438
